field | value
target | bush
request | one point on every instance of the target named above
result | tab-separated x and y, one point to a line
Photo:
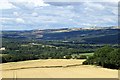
68	57
85	63
83	57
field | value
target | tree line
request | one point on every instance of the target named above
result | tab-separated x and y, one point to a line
106	56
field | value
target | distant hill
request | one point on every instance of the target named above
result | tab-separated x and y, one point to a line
95	36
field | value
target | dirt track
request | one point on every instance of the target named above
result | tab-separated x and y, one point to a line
55	68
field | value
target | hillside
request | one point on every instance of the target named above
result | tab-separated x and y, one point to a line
95	36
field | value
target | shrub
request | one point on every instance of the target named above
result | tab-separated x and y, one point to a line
68	56
83	57
85	63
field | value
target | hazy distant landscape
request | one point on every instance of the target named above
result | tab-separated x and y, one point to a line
107	35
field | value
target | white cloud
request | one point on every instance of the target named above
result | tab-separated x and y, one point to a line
115	11
92	5
108	20
20	20
4	20
30	4
34	14
15	13
86	24
37	3
82	0
5	4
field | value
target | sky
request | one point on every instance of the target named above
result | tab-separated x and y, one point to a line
44	14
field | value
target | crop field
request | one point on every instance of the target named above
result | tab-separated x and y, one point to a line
55	68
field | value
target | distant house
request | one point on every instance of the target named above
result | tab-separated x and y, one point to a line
43	46
32	43
65	41
3	48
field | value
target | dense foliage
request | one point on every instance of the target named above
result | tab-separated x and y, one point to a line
106	57
20	50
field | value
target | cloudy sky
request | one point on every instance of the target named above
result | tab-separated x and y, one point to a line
39	14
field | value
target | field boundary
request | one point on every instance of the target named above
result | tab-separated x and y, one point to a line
66	66
60	79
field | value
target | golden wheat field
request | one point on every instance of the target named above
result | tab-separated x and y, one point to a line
55	68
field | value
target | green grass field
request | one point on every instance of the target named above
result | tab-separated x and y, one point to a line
82	54
87	54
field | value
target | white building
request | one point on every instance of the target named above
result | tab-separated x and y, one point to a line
3	48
